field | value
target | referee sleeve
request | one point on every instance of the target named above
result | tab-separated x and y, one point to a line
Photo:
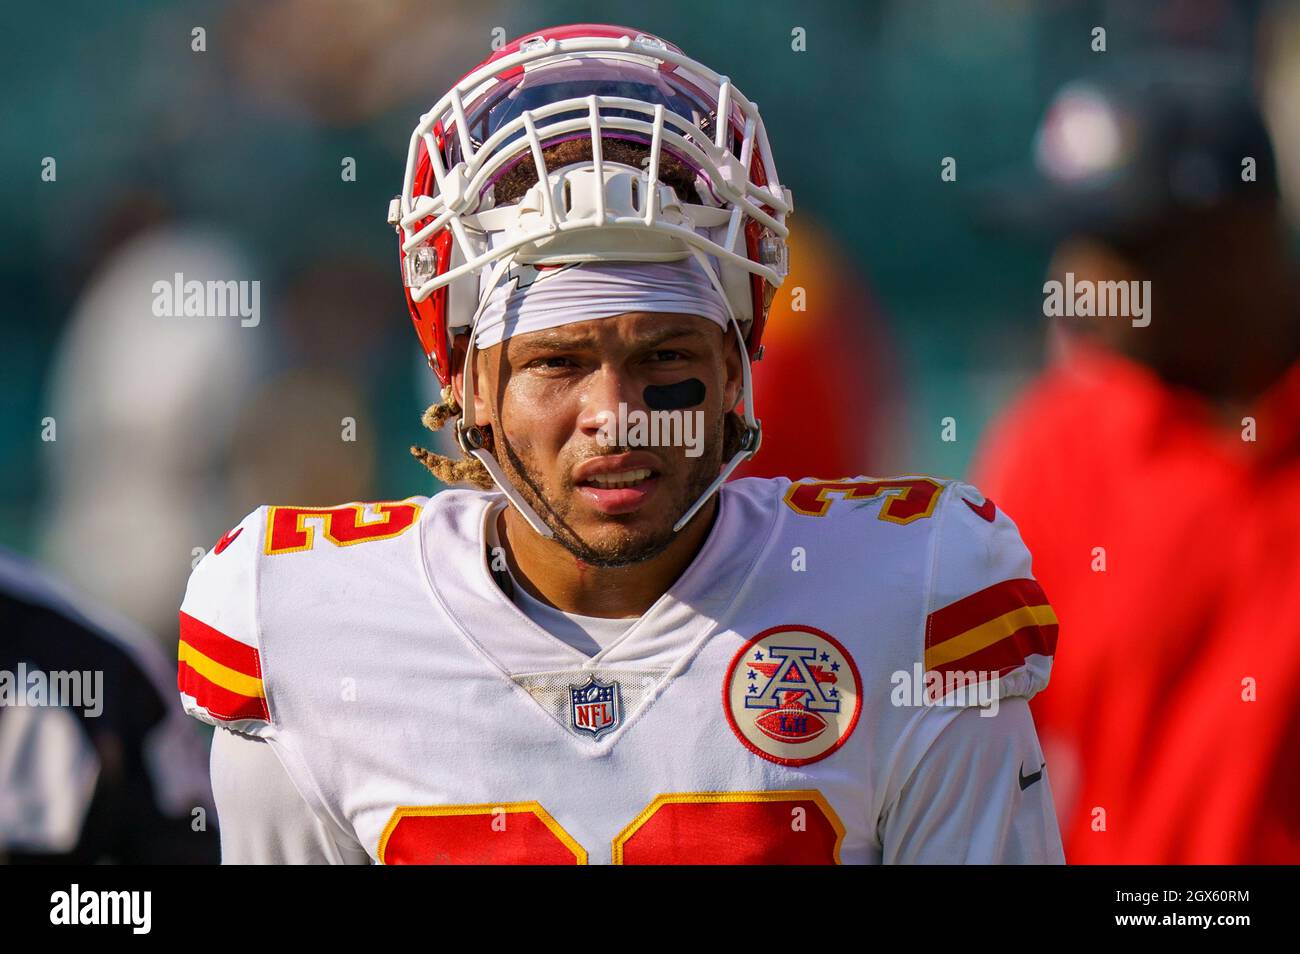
980	794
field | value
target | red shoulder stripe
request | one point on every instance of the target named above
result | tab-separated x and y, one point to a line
221	703
988	603
217	646
222	674
993	630
1006	654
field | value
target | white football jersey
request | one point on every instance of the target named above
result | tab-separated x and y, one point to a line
801	694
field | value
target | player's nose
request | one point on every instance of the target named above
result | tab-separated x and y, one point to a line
610	393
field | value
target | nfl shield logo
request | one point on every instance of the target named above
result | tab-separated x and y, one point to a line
594	707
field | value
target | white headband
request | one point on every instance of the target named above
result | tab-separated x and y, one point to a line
531	299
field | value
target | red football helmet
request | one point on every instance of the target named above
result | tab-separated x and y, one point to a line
604	85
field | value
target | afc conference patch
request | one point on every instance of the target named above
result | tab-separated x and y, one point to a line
594	707
792	694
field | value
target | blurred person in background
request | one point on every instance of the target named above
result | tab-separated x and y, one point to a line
143	410
108	769
317	404
1279	80
835	422
1154	471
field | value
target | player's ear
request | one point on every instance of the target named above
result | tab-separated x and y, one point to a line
732	367
459	348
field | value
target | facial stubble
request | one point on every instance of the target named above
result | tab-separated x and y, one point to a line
627	547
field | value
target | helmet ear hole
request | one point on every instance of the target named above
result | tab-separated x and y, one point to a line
568	196
636	194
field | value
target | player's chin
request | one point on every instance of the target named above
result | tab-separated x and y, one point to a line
624	540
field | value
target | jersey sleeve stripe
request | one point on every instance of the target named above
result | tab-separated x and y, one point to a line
220	703
217	646
1006	654
222	675
993	630
978	608
989	634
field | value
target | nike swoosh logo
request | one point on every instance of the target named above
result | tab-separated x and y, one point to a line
227	539
1027	780
986	510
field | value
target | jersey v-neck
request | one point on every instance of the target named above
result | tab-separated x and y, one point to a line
460	578
587	634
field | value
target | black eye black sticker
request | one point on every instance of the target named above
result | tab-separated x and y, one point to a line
674	397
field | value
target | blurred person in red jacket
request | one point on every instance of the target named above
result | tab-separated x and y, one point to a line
1154	472
839	420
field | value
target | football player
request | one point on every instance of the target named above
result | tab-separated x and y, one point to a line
600	652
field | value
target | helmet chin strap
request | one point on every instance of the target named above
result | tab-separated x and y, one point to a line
472	441
753	435
470	436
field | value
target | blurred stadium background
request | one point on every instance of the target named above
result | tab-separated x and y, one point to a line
229	163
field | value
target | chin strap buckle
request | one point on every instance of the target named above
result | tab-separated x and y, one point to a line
470	438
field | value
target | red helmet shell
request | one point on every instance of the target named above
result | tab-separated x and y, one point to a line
430	316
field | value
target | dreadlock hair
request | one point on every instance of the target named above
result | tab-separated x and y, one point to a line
466	469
